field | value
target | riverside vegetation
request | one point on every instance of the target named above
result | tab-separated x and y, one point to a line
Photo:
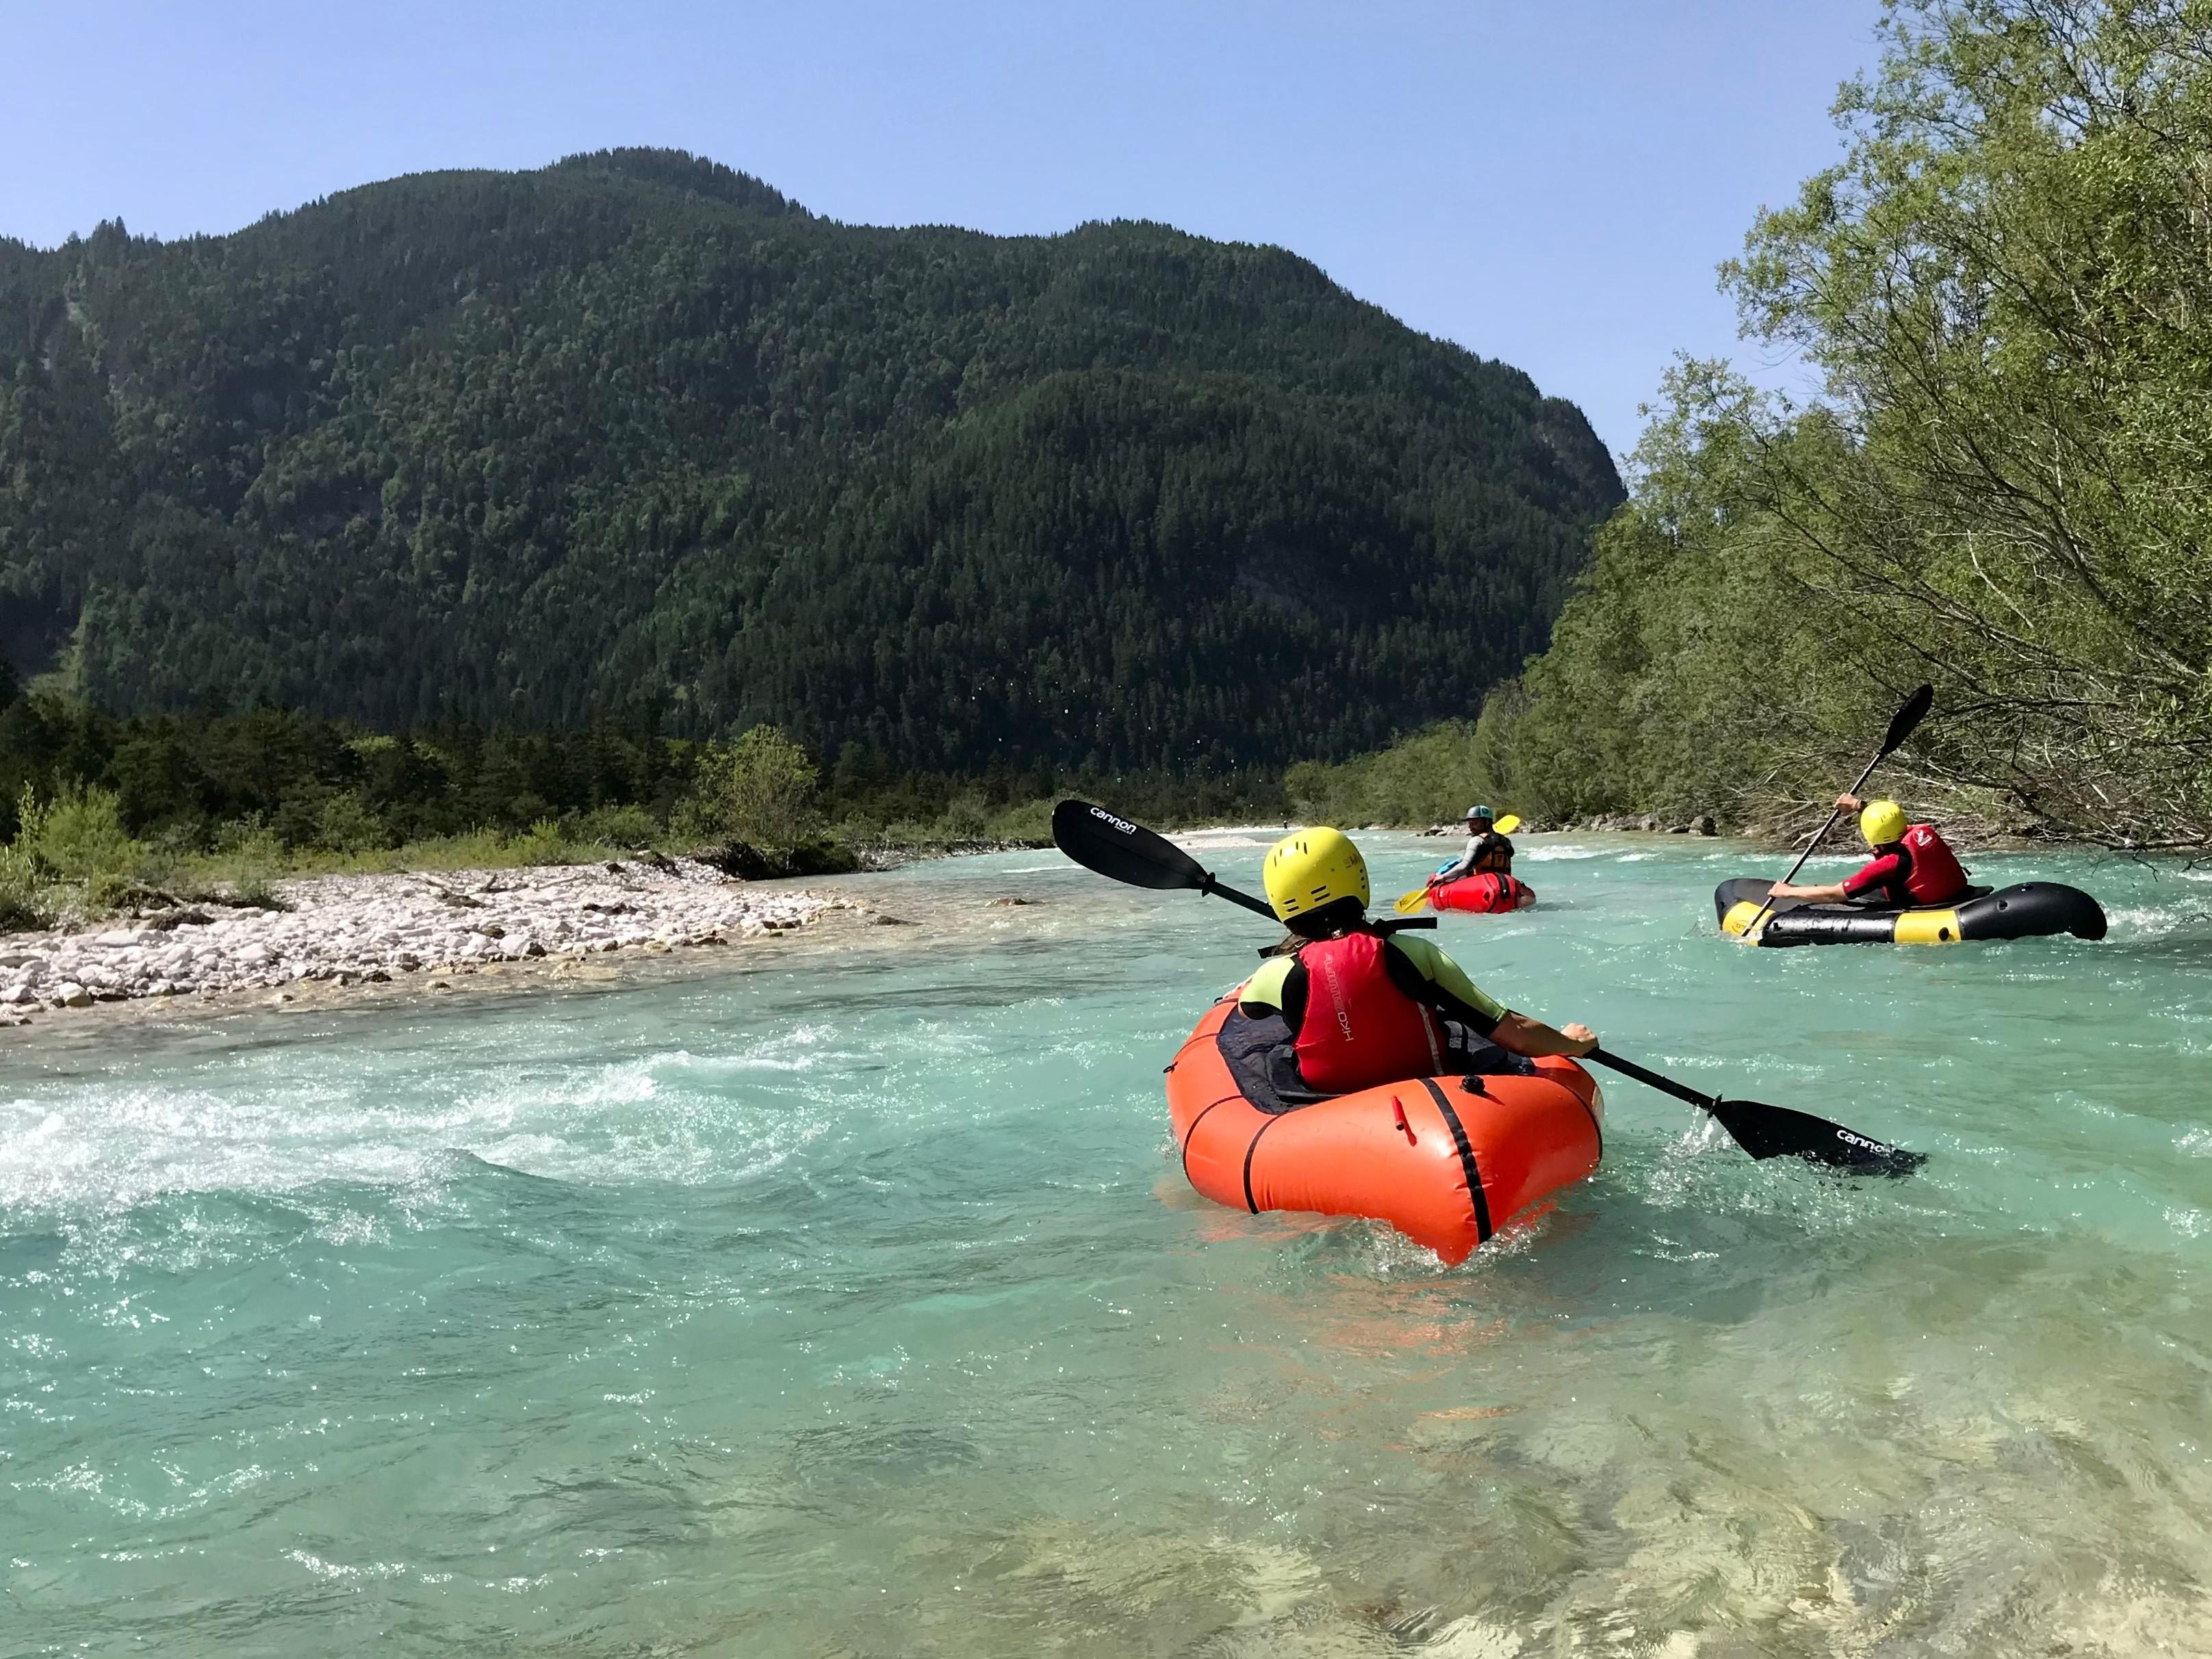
100	814
2005	489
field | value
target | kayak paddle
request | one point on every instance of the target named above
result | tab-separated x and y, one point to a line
1901	725
1122	851
1099	839
1409	902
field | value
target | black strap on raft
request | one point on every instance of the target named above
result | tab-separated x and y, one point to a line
1465	1161
1251	1146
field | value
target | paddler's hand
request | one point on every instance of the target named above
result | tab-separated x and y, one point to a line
1582	1036
1850	804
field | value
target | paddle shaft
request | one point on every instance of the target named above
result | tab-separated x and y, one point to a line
1833	815
1257	907
1260	907
1665	1085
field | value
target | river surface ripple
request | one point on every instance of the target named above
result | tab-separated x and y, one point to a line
851	1302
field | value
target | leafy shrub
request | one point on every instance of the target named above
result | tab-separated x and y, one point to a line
24	903
759	789
544	843
245	863
965	818
79	835
346	823
618	826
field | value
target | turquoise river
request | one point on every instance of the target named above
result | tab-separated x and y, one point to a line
843	1297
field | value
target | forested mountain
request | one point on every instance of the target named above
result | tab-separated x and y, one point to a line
636	437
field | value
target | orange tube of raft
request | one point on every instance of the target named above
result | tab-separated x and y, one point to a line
1446	1160
1485	893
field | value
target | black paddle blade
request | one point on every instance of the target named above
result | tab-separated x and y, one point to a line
1777	1131
1901	724
1120	850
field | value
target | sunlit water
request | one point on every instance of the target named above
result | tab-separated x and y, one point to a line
852	1303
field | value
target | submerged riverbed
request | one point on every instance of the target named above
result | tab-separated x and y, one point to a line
846	1299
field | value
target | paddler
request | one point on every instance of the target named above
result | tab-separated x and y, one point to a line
1487	852
1911	867
1364	1006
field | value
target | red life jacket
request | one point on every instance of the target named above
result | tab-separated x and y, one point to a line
1360	1029
1933	873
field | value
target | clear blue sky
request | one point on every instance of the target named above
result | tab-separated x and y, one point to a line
1548	184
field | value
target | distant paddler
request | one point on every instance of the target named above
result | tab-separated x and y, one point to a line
1487	852
1912	865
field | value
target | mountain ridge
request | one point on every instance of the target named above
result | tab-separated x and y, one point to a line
637	434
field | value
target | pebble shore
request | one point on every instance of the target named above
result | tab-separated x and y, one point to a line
375	928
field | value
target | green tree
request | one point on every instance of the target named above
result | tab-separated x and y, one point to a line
761	789
2005	288
2002	489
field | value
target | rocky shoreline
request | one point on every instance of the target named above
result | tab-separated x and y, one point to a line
346	930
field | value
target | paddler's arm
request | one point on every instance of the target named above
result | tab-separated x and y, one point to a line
1836	892
1271	991
1524	1036
1832	893
1444	986
1464	867
1873	874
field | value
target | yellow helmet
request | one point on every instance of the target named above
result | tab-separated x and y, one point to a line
1883	823
1314	867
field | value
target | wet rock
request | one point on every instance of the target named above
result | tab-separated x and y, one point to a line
70	994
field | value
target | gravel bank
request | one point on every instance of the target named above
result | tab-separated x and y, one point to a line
352	929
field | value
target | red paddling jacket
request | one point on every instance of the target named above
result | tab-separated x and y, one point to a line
1919	869
1366	1009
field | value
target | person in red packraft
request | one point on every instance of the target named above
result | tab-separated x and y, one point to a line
1364	1007
1911	867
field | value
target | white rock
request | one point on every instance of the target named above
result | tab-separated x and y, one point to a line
70	994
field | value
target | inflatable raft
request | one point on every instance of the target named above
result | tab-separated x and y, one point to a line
1446	1160
2028	910
1486	893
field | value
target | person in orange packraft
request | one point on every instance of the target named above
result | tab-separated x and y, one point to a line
1912	867
1363	1006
